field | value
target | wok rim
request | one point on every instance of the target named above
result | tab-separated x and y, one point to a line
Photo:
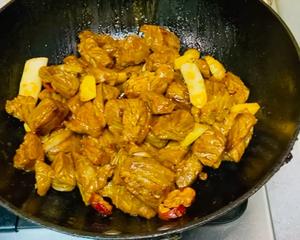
193	224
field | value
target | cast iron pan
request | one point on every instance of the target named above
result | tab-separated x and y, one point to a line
247	36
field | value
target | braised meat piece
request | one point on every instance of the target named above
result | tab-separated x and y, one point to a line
239	136
74	103
178	92
203	67
20	107
155	141
215	89
216	110
29	152
43	177
62	78
89	177
127	202
130	118
136	120
113	114
209	147
109	92
91	51
145	82
48	115
236	88
86	120
158	103
92	149
171	155
158	38
131	51
64	178
161	58
147	179
174	126
61	140
49	93
187	171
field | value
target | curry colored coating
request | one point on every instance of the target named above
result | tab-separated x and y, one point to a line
121	137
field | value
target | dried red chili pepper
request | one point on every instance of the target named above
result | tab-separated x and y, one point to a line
173	213
100	205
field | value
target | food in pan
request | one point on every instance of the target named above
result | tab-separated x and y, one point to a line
130	122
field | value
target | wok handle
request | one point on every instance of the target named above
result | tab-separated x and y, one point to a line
175	236
268	2
288	158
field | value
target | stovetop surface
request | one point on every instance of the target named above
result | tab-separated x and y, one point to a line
251	220
10	222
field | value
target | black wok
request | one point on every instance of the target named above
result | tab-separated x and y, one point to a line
246	35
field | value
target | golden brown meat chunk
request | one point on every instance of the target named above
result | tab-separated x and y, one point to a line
144	82
89	177
74	103
48	115
216	110
104	173
43	177
55	138
109	92
29	152
74	64
187	171
86	177
91	52
174	126
99	101
107	75
135	150
158	103
158	38
165	73
49	93
130	118
215	88
236	88
132	51
239	136
107	140
62	79
209	147
20	107
86	121
127	202
147	179
107	42
178	91
161	58
203	67
91	148
171	155
64	178
113	113
155	141
136	119
62	140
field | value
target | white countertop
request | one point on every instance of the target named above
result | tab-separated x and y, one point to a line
283	188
